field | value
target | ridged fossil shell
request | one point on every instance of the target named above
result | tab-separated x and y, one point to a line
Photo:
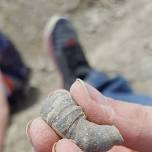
69	121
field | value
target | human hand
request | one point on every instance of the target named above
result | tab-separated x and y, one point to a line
133	121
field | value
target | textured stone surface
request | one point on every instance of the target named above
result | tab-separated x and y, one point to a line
68	120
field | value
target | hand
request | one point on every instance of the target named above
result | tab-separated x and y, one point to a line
133	121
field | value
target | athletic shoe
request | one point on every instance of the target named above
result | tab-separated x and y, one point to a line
14	71
64	46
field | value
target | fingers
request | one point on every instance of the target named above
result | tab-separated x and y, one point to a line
44	139
65	145
120	149
93	111
41	136
130	119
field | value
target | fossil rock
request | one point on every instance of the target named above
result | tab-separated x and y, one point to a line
69	121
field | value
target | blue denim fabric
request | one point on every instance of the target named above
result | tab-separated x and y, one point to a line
117	88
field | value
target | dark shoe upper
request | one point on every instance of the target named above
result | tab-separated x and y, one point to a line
12	66
68	52
11	62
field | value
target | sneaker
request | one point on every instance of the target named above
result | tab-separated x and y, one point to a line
64	46
15	73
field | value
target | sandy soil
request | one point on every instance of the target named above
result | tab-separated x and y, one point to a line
116	35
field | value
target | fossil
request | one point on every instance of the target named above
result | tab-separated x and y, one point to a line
68	120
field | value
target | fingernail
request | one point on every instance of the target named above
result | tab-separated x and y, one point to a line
83	85
28	131
54	147
92	93
81	82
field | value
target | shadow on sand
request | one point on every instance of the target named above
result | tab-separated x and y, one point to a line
26	100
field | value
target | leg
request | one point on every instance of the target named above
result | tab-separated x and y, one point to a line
4	114
65	48
132	98
66	51
118	88
14	76
14	71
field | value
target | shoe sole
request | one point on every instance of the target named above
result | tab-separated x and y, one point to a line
47	44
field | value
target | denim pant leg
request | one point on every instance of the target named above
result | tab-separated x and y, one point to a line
117	88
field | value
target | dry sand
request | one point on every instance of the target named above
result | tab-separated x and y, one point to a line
116	35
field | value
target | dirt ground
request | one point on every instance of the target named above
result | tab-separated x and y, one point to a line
116	35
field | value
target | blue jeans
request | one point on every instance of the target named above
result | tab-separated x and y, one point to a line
117	88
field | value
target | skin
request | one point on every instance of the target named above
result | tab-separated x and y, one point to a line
4	115
133	121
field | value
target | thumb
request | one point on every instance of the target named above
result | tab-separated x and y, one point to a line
65	145
98	111
133	121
